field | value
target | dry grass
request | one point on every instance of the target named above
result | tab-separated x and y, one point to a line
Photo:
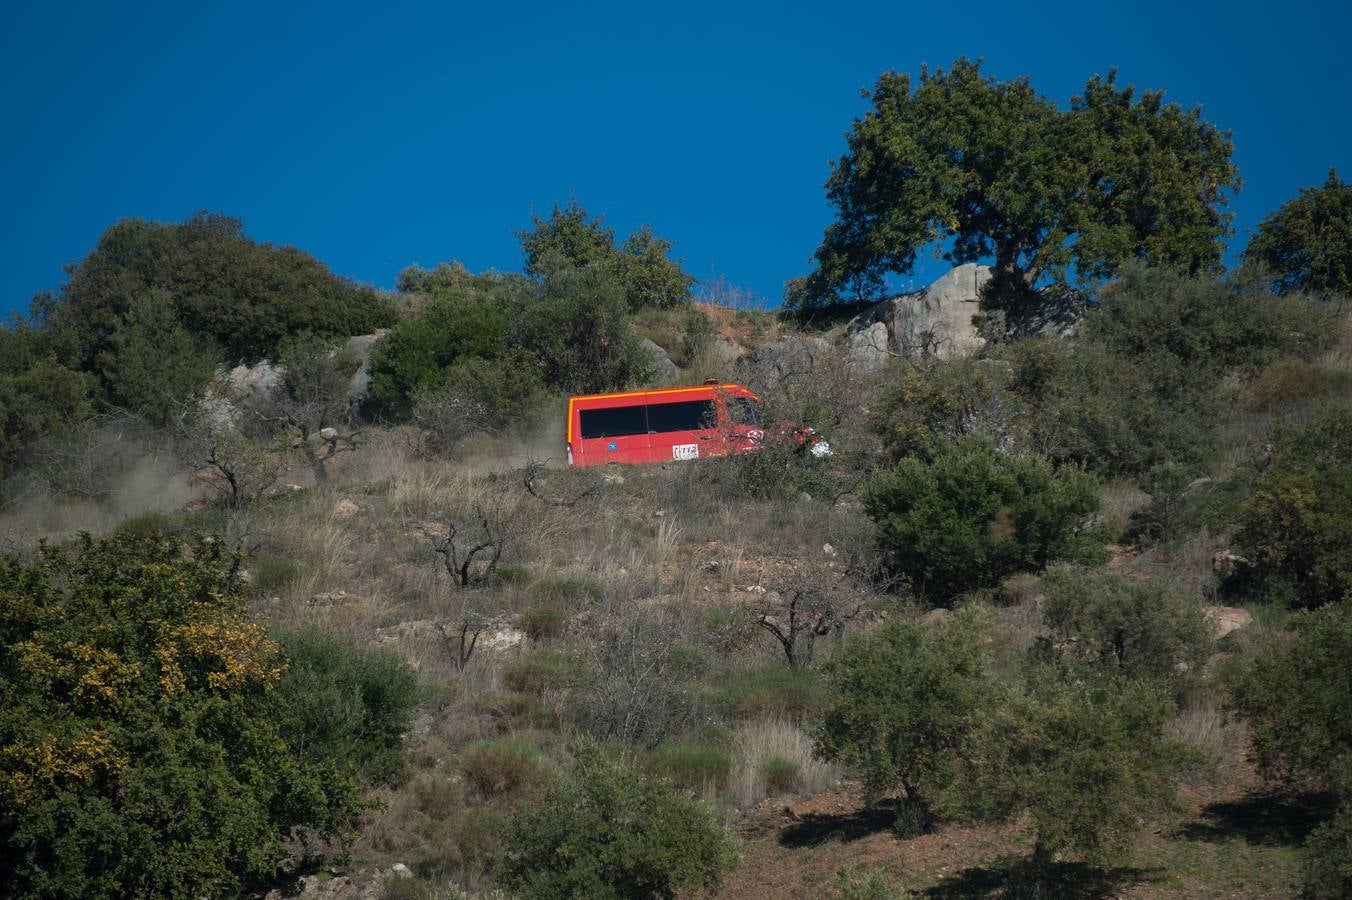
760	741
1203	725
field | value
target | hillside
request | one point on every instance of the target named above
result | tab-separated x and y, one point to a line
299	594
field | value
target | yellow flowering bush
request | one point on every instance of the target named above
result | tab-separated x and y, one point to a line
145	745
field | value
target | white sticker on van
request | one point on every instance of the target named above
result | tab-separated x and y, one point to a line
685	451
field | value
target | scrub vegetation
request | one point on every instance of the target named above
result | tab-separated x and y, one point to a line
1066	616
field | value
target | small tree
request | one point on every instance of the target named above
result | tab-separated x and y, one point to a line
1085	760
1307	243
642	262
800	617
610	831
314	401
230	459
907	697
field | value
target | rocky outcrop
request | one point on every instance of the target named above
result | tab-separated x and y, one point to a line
661	361
786	359
951	320
360	347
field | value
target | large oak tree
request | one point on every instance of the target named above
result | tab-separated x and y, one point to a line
983	169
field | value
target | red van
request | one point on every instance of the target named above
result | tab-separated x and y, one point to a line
711	419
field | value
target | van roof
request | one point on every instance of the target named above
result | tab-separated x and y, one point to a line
677	390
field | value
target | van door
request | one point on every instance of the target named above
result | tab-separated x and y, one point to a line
683	429
612	434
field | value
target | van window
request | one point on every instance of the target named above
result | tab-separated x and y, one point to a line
744	411
691	415
615	422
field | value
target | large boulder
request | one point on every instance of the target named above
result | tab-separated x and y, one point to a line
252	386
940	320
661	361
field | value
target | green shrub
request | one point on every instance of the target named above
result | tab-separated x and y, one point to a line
927	409
460	324
502	768
1328	855
972	517
348	702
1206	324
691	765
904	700
1104	623
246	298
274	573
149	524
543	622
773	691
1296	696
1112	413
1295	530
142	722
569	591
539	673
780	774
611	832
1290	382
697	334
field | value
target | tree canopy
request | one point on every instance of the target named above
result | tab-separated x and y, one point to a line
987	169
642	262
243	296
1307	243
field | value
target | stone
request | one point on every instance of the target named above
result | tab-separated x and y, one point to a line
936	617
1226	619
329	598
661	361
940	320
345	509
724	352
399	870
867	347
1225	561
254	385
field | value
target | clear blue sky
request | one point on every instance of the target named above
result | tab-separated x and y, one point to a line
379	135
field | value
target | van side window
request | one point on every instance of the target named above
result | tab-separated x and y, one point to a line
744	411
616	422
692	415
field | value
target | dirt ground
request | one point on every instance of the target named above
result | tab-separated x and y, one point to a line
1226	841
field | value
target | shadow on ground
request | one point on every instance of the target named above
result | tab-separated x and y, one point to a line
818	828
1261	819
1012	877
